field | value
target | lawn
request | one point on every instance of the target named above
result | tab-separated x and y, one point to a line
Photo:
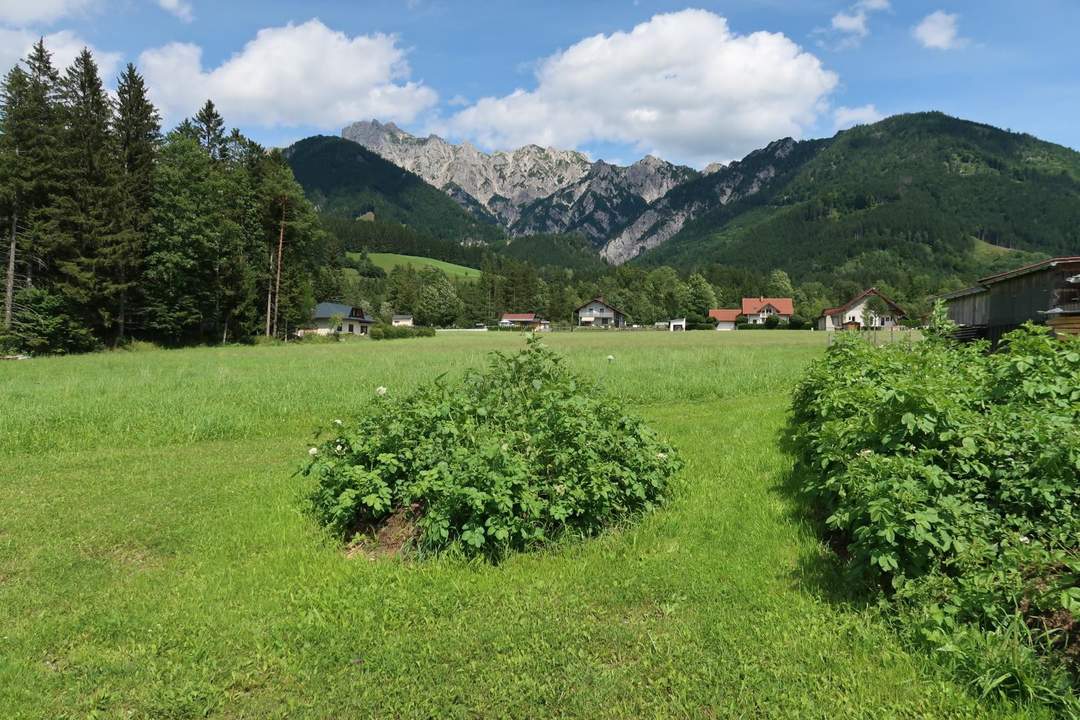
388	261
155	563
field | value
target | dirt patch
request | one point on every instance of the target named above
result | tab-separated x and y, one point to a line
392	537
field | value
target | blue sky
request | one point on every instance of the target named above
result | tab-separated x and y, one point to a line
692	83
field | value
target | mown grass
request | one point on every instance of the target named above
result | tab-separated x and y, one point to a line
155	562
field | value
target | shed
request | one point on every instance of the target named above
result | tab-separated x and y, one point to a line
401	321
677	324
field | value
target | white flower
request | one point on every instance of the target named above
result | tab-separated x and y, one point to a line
864	452
1025	539
313	452
611	358
380	391
338	423
661	456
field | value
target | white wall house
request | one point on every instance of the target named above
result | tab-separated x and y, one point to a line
853	314
329	318
598	313
758	310
725	318
401	321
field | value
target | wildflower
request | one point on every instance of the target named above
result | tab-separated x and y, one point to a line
661	456
338	423
380	391
1025	539
865	451
611	358
313	451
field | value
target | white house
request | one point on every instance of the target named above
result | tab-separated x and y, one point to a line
401	321
329	318
851	315
725	317
758	310
598	313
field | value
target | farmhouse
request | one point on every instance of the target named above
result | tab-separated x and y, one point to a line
328	318
1046	292
401	321
599	313
524	321
758	310
725	317
854	314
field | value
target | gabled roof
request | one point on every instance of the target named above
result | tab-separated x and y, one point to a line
521	317
1034	267
725	314
602	301
855	301
752	306
327	310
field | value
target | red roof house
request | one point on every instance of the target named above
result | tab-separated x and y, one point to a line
758	309
850	314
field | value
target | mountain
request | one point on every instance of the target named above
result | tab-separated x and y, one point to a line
530	189
343	178
913	195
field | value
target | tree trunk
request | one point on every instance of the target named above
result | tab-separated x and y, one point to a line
281	245
9	284
121	314
269	291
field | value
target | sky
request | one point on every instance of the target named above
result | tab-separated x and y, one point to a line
693	84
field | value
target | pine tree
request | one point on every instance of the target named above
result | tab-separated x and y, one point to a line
137	129
211	130
15	182
83	222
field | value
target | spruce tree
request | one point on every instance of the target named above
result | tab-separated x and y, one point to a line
137	130
211	130
15	181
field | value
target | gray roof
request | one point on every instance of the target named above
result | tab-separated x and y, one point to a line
327	310
402	317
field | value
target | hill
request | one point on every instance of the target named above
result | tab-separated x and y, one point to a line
569	251
913	198
388	261
345	179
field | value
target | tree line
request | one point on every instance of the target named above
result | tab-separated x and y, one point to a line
115	230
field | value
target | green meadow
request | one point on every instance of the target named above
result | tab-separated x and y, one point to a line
155	560
388	261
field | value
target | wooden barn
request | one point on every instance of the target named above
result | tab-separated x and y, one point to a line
1046	292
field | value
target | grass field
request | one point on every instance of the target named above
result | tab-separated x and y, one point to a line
388	261
155	563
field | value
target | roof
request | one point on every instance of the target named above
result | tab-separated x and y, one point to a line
725	314
602	301
855	300
752	306
401	317
521	317
327	310
963	292
1034	267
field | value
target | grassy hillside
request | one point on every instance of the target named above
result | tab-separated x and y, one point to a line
922	194
388	261
344	178
156	562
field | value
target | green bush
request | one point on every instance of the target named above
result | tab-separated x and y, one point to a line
772	322
508	458
951	476
390	332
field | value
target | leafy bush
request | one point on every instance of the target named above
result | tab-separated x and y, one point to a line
772	322
508	458
390	332
951	476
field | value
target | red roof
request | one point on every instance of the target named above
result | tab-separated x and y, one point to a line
725	314
752	306
870	291
520	317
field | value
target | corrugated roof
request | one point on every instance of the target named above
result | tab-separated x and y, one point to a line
1034	267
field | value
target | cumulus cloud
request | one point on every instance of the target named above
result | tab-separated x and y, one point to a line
32	12
180	8
849	28
845	117
294	75
64	45
682	85
939	30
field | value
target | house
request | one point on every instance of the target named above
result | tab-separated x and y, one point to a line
758	310
1046	292
328	318
853	314
401	321
523	321
599	313
725	317
677	324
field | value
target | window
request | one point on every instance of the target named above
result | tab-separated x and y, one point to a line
352	328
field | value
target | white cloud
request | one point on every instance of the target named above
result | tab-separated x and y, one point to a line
31	12
680	84
845	117
64	46
293	75
939	30
180	8
849	29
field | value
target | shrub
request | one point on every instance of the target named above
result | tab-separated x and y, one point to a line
797	322
950	475
772	322
508	458
391	332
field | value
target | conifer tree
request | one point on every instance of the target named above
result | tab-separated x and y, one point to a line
211	130
137	129
15	182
